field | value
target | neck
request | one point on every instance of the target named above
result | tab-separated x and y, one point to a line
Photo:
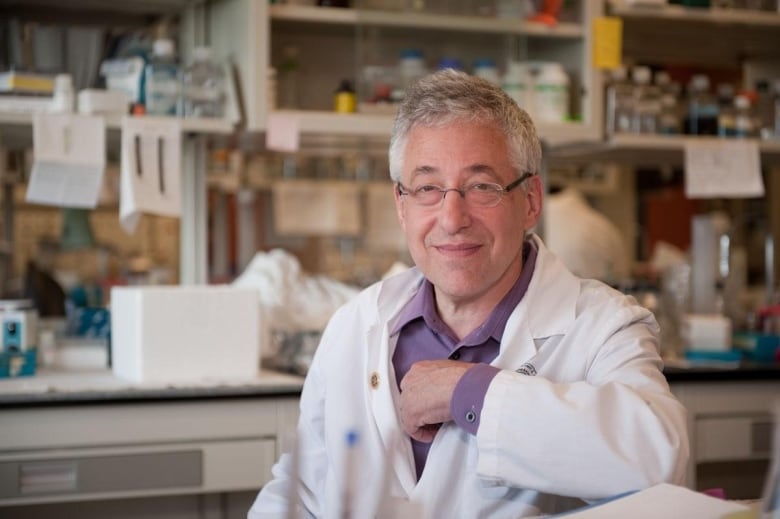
464	315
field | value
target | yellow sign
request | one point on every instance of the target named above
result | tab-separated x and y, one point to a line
607	42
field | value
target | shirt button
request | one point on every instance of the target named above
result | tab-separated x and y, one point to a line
471	416
455	355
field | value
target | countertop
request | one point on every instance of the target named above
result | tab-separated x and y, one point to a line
99	385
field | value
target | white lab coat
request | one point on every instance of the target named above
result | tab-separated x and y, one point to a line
597	418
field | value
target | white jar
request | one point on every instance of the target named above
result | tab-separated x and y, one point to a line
551	93
486	69
516	82
63	100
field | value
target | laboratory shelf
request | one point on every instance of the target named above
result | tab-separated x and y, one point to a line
380	125
712	15
649	150
412	20
114	122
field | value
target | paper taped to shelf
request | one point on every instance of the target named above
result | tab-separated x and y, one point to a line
721	168
70	156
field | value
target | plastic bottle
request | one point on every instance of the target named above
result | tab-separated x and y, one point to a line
516	83
551	93
411	67
447	62
344	100
486	69
619	101
287	79
162	80
702	116
203	86
63	100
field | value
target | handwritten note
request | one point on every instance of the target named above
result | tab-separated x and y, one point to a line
70	157
720	168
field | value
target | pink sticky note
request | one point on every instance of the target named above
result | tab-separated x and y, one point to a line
283	132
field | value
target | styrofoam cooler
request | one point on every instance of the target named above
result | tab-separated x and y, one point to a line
176	334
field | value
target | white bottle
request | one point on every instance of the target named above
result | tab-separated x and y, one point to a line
411	67
162	80
203	86
486	69
551	93
63	100
516	83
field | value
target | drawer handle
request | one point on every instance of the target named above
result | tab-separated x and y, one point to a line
49	477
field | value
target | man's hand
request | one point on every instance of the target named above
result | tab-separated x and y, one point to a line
426	393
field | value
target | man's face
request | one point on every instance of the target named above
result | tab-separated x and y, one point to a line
467	252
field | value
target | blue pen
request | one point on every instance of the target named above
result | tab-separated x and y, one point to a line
348	494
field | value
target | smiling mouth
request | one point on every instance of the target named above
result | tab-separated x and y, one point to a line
463	248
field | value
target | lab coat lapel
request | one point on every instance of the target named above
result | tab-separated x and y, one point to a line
548	308
384	392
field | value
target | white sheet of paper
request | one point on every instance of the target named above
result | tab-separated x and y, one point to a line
150	175
70	157
662	501
721	168
283	132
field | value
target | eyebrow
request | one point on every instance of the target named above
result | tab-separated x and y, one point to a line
473	169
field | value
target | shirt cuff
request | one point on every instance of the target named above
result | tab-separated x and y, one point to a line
469	396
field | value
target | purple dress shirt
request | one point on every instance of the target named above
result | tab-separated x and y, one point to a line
422	335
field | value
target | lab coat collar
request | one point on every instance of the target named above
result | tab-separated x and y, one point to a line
550	304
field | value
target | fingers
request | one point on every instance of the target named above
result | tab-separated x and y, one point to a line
426	393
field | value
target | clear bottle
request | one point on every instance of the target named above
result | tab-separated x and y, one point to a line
620	102
726	123
287	73
669	116
744	123
161	77
203	86
647	101
702	115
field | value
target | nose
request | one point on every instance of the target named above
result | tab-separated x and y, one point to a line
454	214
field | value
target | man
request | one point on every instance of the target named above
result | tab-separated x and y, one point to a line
488	381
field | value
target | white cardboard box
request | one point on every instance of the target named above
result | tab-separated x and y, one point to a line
184	333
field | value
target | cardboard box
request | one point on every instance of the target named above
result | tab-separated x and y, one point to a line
173	334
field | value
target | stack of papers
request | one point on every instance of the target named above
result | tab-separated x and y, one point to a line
661	502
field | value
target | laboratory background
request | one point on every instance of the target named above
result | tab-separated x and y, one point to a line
190	188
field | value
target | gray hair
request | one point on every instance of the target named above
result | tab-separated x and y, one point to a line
448	96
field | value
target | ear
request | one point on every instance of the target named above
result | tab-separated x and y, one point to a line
399	207
534	198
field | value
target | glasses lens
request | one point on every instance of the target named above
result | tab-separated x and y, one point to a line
483	195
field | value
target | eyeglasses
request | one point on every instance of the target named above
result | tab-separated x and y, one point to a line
478	194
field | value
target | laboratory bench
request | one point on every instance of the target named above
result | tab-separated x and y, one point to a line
82	443
104	447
